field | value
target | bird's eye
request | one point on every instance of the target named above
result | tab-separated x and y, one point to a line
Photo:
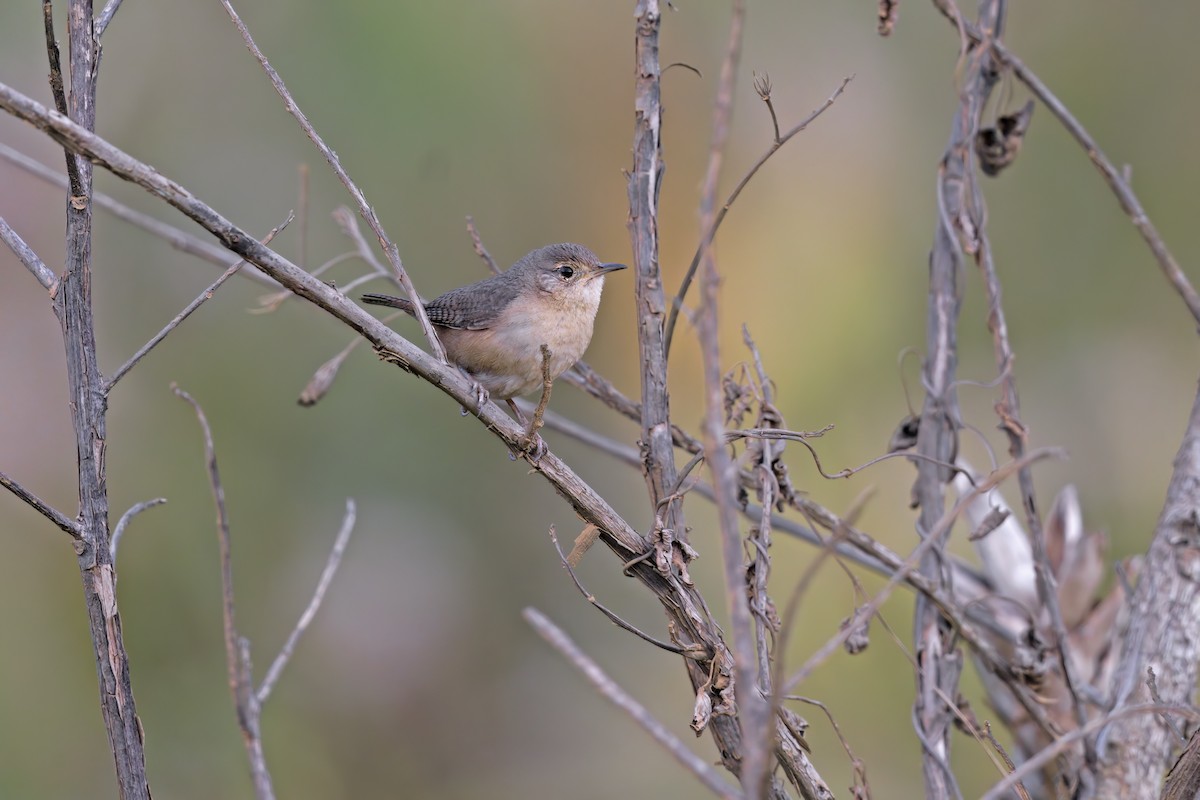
566	271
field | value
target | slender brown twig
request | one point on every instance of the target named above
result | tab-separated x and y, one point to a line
711	232
58	92
368	213
753	713
480	250
613	617
205	295
237	649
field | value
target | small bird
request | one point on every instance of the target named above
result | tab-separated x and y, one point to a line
494	329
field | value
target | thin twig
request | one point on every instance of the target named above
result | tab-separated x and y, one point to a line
106	16
1008	762
536	421
207	294
559	640
480	250
753	712
613	617
711	232
368	213
331	567
25	254
1152	686
60	95
49	512
237	649
126	518
860	769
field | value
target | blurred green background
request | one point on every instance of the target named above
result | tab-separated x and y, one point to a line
418	678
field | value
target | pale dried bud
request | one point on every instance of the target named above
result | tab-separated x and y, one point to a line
702	711
322	379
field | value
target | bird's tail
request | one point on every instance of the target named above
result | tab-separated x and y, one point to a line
387	300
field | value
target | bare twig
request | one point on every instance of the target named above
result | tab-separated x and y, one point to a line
126	518
37	504
559	640
860	769
480	250
237	649
310	612
368	213
106	16
1019	787
45	276
613	617
536	421
753	712
711	232
60	96
207	294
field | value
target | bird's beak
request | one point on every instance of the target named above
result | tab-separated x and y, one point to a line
605	268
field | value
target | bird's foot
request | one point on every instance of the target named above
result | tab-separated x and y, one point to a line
534	447
481	394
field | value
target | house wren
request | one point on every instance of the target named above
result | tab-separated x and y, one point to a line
494	329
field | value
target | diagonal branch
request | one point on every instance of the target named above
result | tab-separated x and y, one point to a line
559	640
37	504
45	276
331	567
368	213
186	312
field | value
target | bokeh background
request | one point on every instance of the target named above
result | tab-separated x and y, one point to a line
419	679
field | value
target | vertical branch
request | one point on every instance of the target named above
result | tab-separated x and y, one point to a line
753	711
959	221
237	648
658	455
87	402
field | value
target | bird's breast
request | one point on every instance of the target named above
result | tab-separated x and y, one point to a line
506	358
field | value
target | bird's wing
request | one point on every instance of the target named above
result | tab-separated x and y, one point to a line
474	307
